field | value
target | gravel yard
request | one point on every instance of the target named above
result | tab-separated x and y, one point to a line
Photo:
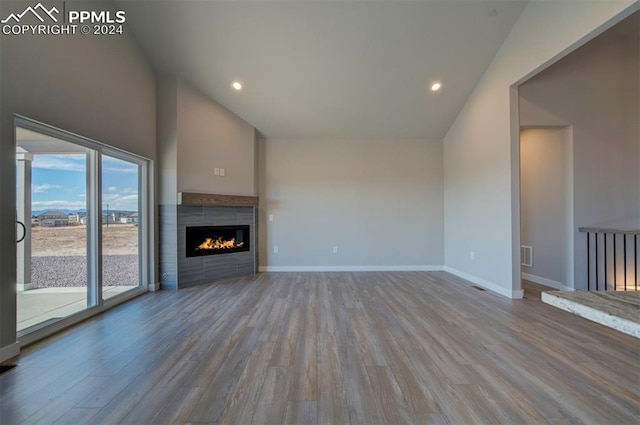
68	271
59	256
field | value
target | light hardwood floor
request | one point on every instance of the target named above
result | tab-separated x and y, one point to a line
329	348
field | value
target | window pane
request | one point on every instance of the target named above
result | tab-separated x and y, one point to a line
52	257
120	247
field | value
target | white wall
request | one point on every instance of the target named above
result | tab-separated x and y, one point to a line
379	201
481	156
210	136
195	135
546	195
596	89
167	141
100	87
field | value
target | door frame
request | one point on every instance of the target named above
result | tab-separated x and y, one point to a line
96	303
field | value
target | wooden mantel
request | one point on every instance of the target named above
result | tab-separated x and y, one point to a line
209	199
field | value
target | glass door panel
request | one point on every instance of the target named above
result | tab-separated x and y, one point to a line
120	226
52	206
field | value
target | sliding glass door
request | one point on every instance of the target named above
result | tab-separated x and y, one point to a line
52	256
80	212
120	230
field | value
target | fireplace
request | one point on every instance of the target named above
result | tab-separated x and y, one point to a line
213	240
186	226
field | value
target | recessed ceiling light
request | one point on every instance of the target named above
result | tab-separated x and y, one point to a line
436	86
237	85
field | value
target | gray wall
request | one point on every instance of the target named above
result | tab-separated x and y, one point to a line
379	201
546	195
482	202
167	116
100	87
196	135
210	136
596	90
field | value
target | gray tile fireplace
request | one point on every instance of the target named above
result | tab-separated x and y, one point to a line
219	219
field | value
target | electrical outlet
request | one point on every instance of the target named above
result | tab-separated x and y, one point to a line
472	255
270	217
222	172
335	249
275	249
216	171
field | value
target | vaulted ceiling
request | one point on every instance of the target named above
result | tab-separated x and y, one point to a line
328	69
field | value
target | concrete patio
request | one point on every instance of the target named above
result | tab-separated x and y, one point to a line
46	304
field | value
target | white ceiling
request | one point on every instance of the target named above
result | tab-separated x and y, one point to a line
328	69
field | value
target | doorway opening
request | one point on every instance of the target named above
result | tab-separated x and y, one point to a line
546	208
592	91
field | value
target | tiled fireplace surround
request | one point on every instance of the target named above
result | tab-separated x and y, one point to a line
178	271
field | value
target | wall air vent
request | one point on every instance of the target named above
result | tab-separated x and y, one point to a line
526	256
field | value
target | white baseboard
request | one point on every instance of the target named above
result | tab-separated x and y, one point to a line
9	351
546	282
509	293
478	281
350	268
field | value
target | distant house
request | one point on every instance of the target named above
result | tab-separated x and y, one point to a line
129	218
108	218
53	219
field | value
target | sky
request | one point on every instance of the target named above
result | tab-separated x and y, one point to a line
59	182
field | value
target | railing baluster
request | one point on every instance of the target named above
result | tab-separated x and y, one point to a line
615	265
597	277
588	261
624	245
600	259
606	281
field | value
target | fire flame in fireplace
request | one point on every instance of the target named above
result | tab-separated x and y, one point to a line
219	243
